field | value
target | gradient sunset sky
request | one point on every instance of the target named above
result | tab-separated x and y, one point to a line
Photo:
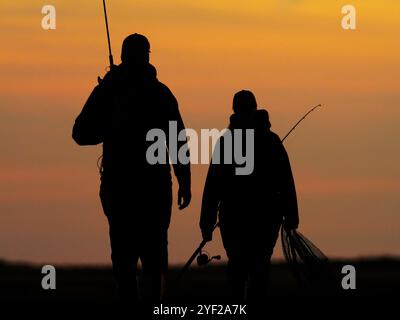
292	54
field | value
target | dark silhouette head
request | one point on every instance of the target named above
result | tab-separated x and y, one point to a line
135	50
244	102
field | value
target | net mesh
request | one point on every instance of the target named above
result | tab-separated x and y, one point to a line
308	263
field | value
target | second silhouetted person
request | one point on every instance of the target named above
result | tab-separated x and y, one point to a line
251	207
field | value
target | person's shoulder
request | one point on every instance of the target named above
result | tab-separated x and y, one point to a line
163	86
274	137
164	90
224	137
111	76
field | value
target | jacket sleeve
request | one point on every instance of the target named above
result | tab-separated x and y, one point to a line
211	196
288	188
90	125
181	170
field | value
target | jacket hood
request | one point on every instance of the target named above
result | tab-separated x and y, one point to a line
257	119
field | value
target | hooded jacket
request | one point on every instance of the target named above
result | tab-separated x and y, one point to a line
246	201
119	113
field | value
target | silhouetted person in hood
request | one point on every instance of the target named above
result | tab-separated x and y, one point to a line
251	207
136	196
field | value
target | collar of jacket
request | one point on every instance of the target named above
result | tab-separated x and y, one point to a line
257	119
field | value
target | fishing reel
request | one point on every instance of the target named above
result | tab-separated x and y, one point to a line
204	258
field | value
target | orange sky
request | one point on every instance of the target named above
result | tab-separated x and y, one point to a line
292	54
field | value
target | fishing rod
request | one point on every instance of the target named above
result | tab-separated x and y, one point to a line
110	55
298	122
99	79
203	243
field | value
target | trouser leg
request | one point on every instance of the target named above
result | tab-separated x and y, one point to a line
236	274
154	258
124	256
259	261
258	279
124	253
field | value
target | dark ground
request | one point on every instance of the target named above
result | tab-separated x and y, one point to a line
378	285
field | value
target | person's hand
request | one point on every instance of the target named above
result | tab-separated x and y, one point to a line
207	235
184	197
